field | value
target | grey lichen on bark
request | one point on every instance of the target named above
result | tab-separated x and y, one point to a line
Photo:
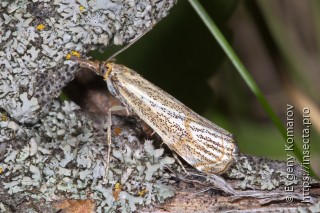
36	37
64	157
51	151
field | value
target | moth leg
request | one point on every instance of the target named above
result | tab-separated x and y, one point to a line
175	157
179	162
152	133
220	183
110	111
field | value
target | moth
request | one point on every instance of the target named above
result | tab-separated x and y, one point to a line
201	143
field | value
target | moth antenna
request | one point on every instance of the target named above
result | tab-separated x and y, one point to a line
128	45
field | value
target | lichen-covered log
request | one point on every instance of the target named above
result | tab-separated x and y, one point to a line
53	154
62	160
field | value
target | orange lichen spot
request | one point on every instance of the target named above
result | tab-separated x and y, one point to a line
116	191
41	27
68	56
1	170
142	192
73	53
117	130
75	206
3	117
81	8
117	186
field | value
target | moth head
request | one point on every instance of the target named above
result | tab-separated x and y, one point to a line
105	69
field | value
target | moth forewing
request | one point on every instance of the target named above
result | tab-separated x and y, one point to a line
201	143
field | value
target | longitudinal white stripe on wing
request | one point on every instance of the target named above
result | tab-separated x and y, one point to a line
156	106
205	133
203	156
